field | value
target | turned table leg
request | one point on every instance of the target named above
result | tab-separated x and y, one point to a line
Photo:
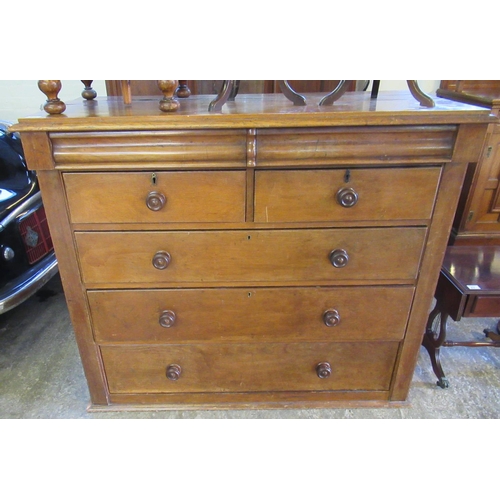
434	337
51	89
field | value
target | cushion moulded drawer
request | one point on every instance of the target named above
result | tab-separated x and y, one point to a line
257	256
156	197
249	367
250	314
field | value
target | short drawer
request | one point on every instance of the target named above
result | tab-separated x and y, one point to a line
370	194
250	314
483	306
318	255
156	197
249	367
321	146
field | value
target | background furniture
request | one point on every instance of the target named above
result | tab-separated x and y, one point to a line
478	214
468	286
268	256
201	87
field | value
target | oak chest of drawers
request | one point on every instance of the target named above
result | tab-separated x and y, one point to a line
265	256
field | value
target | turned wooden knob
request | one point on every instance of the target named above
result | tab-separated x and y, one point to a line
331	317
155	201
347	197
174	372
161	260
167	319
339	258
324	370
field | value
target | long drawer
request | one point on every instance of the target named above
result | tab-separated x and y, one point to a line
257	256
244	314
368	194
156	197
249	367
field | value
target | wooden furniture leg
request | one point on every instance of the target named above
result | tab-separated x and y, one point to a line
222	96
435	335
494	336
375	88
419	94
289	93
88	92
126	92
235	90
336	93
51	89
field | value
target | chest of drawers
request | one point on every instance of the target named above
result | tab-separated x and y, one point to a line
266	256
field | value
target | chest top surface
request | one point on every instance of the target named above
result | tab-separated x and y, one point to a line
253	111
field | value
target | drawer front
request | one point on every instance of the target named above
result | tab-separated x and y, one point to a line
156	197
166	148
249	367
244	314
324	195
256	256
484	306
354	145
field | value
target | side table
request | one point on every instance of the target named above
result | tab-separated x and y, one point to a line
468	286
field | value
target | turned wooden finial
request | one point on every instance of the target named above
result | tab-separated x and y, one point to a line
88	92
51	88
168	88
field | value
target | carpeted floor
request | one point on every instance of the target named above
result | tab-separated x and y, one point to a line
41	376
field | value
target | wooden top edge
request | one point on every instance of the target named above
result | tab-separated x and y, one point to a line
254	111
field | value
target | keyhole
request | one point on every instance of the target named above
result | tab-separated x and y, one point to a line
153	179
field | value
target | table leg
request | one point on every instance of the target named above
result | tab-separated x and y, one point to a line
336	93
494	336
222	96
435	335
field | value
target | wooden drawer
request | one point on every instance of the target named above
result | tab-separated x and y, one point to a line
249	367
483	306
355	145
369	194
244	314
150	149
250	256
156	197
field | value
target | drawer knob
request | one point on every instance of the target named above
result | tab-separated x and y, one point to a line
174	372
324	370
331	317
167	319
155	201
161	260
347	197
339	258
